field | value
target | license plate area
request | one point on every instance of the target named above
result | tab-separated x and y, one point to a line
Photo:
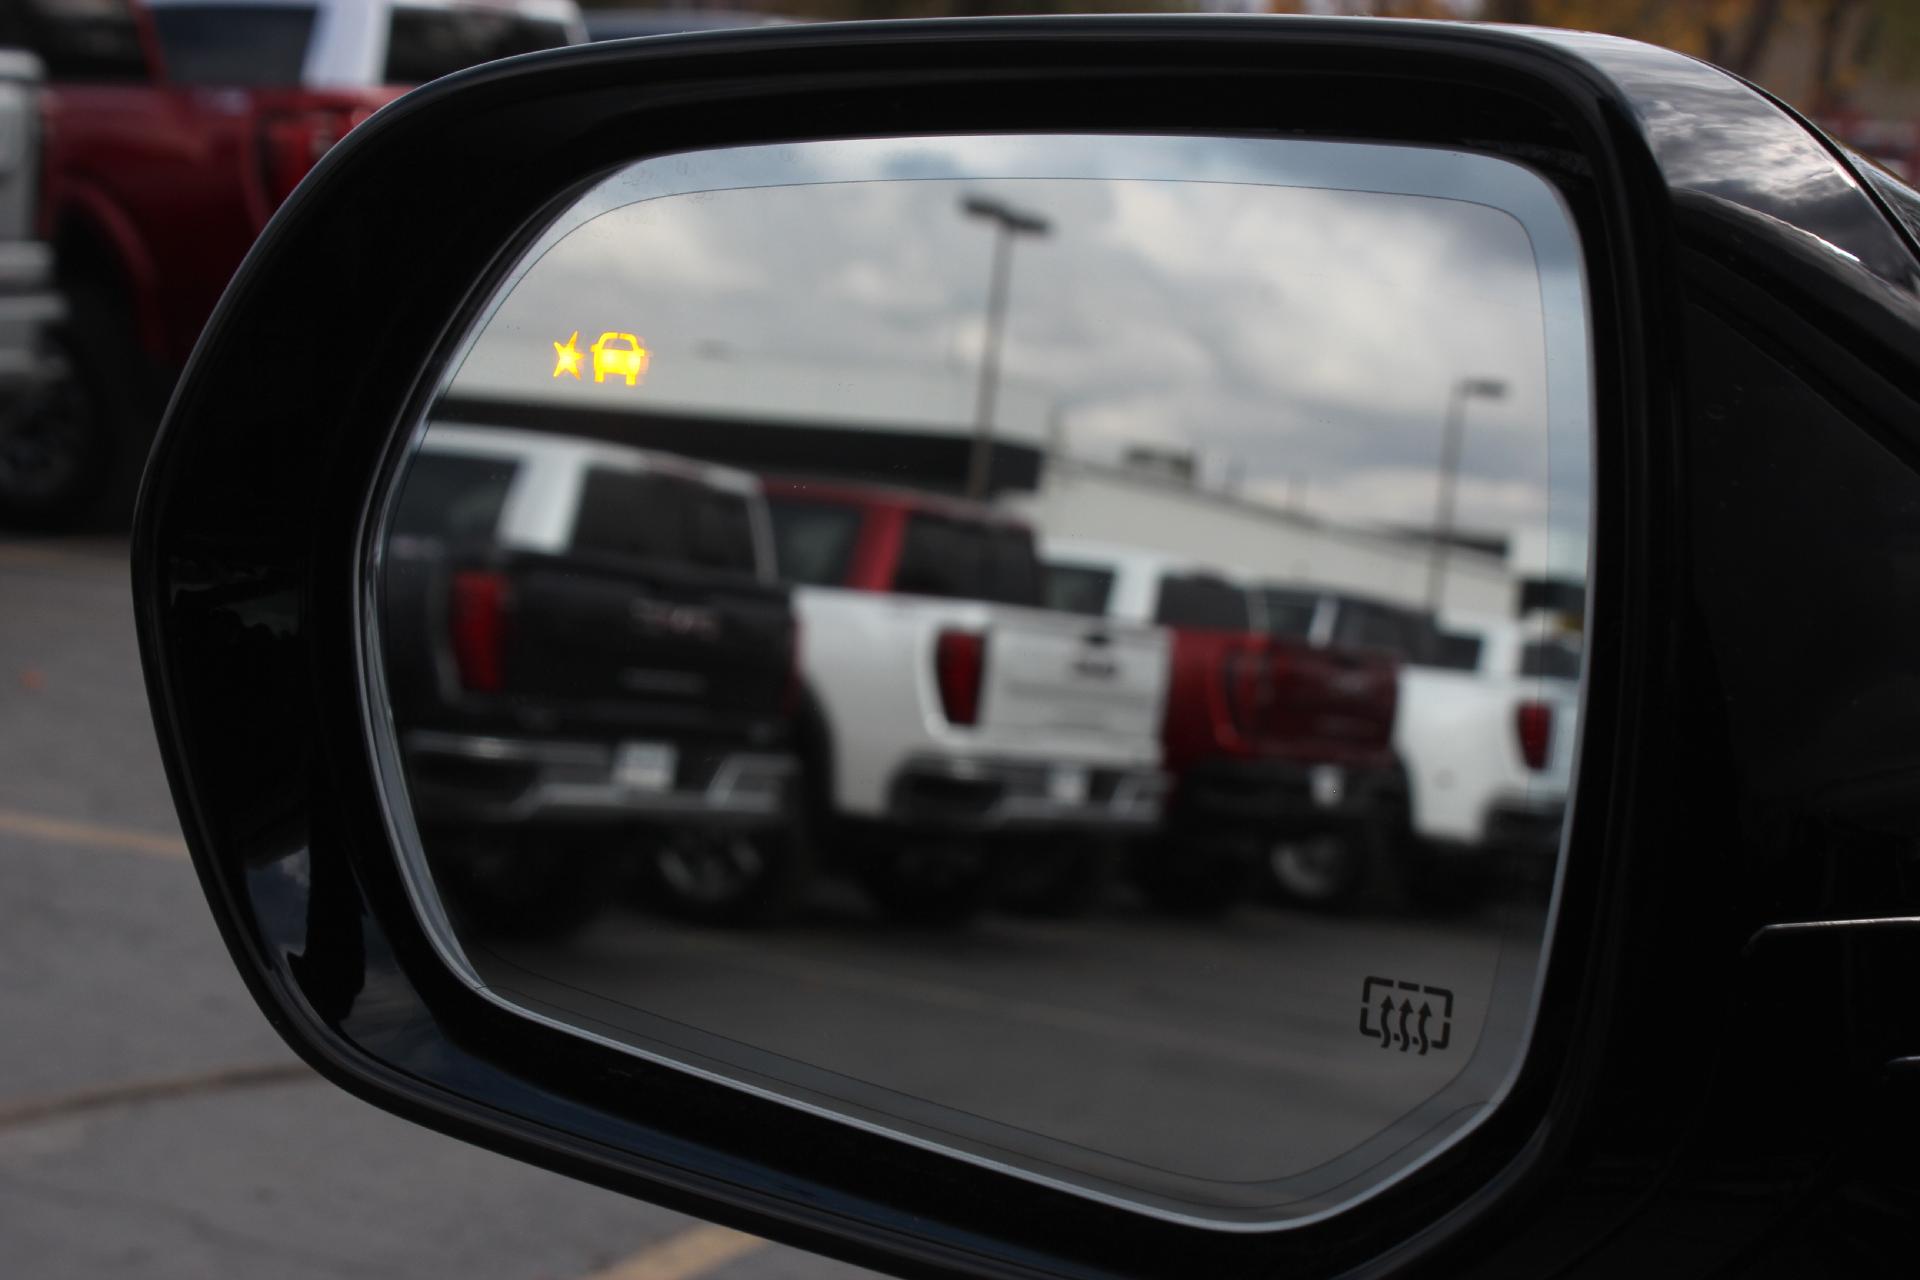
1067	784
644	766
1328	784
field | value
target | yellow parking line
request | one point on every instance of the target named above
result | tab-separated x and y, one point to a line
685	1255
24	1111
40	826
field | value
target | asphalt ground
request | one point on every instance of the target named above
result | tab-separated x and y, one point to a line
151	1124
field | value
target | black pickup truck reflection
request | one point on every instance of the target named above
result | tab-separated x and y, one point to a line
592	673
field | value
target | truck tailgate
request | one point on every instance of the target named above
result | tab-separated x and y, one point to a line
1331	699
1059	681
608	638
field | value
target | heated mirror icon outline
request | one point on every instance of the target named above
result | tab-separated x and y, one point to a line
1406	1014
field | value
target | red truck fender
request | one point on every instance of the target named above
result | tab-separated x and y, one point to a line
91	233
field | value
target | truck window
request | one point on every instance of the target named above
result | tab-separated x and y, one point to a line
229	44
814	541
643	516
425	44
453	496
1362	625
1013	568
1556	657
77	40
1450	651
1201	601
720	530
940	556
1289	613
1077	588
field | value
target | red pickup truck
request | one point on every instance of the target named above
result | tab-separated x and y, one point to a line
1266	738
174	129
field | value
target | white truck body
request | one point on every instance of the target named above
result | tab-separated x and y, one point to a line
1458	737
1063	698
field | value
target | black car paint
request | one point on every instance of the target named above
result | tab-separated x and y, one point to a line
1706	1091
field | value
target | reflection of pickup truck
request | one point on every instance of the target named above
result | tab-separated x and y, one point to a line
1485	732
35	391
177	127
950	714
586	653
1266	738
1489	735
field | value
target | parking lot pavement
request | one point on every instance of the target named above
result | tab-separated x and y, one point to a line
151	1125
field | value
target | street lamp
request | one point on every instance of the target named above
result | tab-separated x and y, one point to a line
1463	390
1008	222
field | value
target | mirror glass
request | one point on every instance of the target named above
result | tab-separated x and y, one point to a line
1067	649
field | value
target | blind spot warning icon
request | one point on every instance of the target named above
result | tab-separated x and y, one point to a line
621	355
567	357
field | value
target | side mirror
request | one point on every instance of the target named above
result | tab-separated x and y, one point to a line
617	580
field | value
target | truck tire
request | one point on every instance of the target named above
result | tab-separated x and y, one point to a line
523	885
1326	870
927	882
727	877
1196	878
56	442
1058	879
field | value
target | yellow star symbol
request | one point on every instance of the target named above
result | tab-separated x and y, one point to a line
567	357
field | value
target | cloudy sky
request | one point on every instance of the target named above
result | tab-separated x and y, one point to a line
1304	341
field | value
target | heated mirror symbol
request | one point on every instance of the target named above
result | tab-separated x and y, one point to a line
1406	1014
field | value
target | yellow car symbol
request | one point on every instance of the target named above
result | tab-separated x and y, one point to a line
609	357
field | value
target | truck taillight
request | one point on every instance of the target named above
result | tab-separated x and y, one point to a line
960	667
477	613
291	143
1533	722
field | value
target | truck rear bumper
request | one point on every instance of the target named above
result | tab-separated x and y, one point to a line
28	306
464	778
1267	798
1528	830
966	794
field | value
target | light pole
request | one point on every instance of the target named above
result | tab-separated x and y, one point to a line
1463	390
1008	222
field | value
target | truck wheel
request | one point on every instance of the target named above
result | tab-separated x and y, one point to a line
524	886
1057	880
1323	870
1195	878
55	442
927	883
727	877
